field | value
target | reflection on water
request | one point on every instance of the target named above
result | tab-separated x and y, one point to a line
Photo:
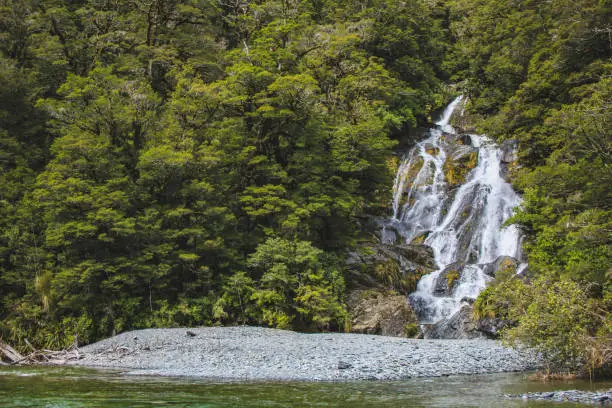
77	387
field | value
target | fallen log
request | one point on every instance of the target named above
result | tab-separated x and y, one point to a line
12	357
9	353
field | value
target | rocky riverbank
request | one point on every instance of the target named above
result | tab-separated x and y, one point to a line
253	353
602	398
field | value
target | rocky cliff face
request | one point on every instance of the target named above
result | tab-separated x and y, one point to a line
381	273
382	312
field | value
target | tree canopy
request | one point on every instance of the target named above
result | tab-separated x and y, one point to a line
187	162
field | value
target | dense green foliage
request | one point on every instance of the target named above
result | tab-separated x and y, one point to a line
187	162
557	317
539	73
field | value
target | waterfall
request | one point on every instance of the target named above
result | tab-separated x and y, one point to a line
463	224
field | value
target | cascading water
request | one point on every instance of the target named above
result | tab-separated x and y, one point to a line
463	225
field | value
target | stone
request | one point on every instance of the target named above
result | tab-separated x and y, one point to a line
343	365
462	159
458	326
601	398
447	279
397	267
464	139
380	312
388	236
505	265
420	238
491	326
431	149
419	254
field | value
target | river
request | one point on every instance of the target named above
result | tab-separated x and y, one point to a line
60	387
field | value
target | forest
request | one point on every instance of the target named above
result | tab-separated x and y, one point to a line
169	163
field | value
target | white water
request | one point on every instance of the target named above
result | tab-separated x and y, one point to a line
463	227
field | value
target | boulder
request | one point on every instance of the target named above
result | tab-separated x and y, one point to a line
463	121
419	254
458	326
448	279
447	137
420	238
464	139
461	160
381	312
431	149
397	267
491	326
388	235
505	265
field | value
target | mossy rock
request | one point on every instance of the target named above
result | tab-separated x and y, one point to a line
456	170
448	279
503	268
451	277
411	174
420	239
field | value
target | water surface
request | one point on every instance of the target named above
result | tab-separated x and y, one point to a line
78	387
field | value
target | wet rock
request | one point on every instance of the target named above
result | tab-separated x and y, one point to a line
601	398
464	139
461	160
461	325
463	121
397	267
380	312
420	238
448	279
503	265
431	149
419	254
388	236
447	137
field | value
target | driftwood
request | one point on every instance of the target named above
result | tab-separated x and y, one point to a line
9	356
9	353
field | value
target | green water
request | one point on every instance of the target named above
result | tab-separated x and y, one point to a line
76	387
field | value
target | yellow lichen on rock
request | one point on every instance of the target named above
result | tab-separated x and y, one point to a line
451	277
456	171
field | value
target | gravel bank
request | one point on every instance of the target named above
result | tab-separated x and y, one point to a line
253	353
603	398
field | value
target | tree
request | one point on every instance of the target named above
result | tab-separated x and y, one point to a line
297	287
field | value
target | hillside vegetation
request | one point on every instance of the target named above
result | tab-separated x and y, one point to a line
541	73
195	162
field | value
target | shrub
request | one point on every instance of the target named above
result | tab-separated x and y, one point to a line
560	321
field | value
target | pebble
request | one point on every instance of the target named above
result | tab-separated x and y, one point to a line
256	353
602	398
